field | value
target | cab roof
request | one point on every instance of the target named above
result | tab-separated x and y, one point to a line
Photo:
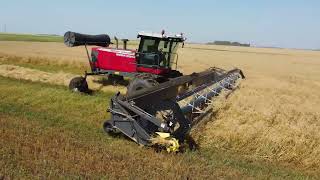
177	37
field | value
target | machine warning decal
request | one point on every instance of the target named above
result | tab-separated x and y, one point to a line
118	52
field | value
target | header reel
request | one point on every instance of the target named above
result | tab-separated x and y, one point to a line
163	115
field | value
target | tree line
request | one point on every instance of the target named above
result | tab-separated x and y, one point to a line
228	43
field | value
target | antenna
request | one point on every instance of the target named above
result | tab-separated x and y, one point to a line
5	28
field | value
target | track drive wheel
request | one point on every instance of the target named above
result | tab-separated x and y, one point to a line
115	79
175	73
79	84
139	83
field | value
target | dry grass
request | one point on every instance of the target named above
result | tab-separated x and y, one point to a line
53	51
276	113
274	116
45	70
72	155
48	132
18	72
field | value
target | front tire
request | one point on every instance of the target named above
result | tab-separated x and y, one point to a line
109	129
79	84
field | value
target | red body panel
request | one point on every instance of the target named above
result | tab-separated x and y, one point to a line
122	61
116	59
152	70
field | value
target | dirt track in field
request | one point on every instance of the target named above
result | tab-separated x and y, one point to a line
35	75
273	116
59	78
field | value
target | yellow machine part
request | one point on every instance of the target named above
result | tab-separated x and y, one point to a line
164	139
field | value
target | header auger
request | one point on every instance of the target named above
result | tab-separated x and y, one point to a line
161	104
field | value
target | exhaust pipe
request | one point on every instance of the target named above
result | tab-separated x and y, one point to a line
125	43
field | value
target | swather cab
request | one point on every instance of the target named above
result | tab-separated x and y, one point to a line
156	56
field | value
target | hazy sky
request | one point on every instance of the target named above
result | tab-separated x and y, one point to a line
282	23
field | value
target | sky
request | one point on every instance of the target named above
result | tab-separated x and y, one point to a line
285	23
